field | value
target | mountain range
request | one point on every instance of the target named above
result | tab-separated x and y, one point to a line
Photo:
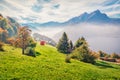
95	17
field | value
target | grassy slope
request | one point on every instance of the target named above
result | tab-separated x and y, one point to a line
50	65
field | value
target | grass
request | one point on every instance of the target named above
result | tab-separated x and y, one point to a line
50	65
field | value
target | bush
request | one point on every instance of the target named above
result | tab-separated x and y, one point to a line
30	51
1	46
82	53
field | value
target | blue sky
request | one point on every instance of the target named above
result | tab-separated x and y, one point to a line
55	10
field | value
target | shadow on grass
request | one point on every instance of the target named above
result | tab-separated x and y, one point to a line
102	64
33	54
37	53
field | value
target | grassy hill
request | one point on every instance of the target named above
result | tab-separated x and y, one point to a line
50	65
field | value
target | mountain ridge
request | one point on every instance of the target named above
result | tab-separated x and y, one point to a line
93	17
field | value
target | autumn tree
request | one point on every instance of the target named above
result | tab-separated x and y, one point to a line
23	38
114	55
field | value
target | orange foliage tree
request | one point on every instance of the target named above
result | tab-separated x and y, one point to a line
23	38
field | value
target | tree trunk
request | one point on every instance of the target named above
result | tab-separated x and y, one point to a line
23	50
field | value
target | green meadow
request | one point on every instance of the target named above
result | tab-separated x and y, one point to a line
49	64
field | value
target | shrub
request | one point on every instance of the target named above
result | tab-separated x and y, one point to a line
82	53
30	51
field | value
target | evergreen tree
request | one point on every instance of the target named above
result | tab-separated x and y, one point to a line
82	52
63	44
70	46
80	42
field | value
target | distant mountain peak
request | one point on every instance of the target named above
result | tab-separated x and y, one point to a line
94	17
97	11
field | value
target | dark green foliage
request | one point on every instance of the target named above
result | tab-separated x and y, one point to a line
83	53
70	46
63	44
32	43
30	51
80	41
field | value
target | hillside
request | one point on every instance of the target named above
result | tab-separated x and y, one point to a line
50	65
8	28
40	37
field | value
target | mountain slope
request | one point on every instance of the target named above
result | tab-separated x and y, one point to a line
50	64
8	27
40	37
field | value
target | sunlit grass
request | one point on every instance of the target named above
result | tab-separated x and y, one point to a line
50	65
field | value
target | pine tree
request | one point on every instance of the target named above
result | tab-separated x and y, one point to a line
70	46
80	41
63	44
82	52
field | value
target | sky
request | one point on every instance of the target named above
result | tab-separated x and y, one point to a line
40	11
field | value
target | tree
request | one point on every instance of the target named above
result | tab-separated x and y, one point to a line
80	42
23	38
83	53
102	54
70	46
63	44
11	41
114	55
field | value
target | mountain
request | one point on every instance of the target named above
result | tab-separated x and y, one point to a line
8	28
93	17
40	37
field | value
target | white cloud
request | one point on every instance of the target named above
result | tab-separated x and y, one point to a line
67	9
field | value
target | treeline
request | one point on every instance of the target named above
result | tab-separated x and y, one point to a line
80	50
